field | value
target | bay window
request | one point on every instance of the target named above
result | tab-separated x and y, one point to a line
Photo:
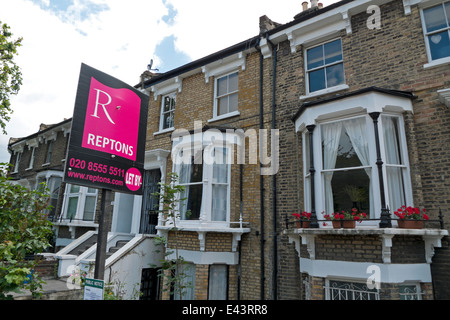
80	203
359	153
205	174
346	165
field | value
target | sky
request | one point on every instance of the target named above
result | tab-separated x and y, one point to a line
119	38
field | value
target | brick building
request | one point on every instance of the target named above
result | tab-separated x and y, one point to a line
40	158
345	106
358	92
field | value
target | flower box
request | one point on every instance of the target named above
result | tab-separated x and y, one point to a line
410	224
337	224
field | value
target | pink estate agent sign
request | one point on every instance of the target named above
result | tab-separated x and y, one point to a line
112	120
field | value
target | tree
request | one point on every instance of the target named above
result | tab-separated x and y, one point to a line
174	270
10	74
24	232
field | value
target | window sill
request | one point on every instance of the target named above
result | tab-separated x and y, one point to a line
225	116
324	91
204	228
437	63
163	131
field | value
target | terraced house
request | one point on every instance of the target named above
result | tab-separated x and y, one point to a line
357	96
343	109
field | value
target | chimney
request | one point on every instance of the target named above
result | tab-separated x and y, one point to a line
314	3
320	4
305	5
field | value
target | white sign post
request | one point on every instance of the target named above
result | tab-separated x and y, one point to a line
93	289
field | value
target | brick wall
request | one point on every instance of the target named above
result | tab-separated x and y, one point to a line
393	58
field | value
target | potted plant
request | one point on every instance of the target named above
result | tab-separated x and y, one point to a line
410	218
303	220
345	219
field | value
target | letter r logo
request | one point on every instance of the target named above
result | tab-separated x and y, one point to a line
97	102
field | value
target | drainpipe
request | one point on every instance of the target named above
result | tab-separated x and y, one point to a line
261	179
274	179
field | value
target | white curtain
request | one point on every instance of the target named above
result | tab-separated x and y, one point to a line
356	130
218	282
394	175
184	177
331	134
219	185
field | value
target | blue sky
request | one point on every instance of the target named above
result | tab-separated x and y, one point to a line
119	38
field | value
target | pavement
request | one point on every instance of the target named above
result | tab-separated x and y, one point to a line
53	289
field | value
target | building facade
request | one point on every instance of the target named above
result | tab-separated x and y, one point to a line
344	107
353	99
40	158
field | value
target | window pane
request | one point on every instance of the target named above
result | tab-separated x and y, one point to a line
167	106
315	57
220	166
335	75
191	205
74	188
218	282
222	105
233	82
392	140
219	202
233	102
187	283
333	51
193	171
434	18
89	209
222	86
396	187
439	45
168	120
72	207
316	80
349	189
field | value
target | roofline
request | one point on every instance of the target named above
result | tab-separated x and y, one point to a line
404	94
308	16
244	45
31	136
241	46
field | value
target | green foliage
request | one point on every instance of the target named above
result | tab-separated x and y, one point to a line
10	74
174	270
24	232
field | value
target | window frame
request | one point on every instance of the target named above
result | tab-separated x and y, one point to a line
82	194
216	115
172	96
17	162
205	215
433	62
327	89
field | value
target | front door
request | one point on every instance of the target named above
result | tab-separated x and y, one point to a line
150	204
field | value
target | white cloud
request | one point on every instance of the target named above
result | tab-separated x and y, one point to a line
117	37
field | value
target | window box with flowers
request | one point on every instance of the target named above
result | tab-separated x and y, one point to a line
302	220
410	218
345	219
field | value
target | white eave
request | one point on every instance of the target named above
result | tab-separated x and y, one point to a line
324	25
